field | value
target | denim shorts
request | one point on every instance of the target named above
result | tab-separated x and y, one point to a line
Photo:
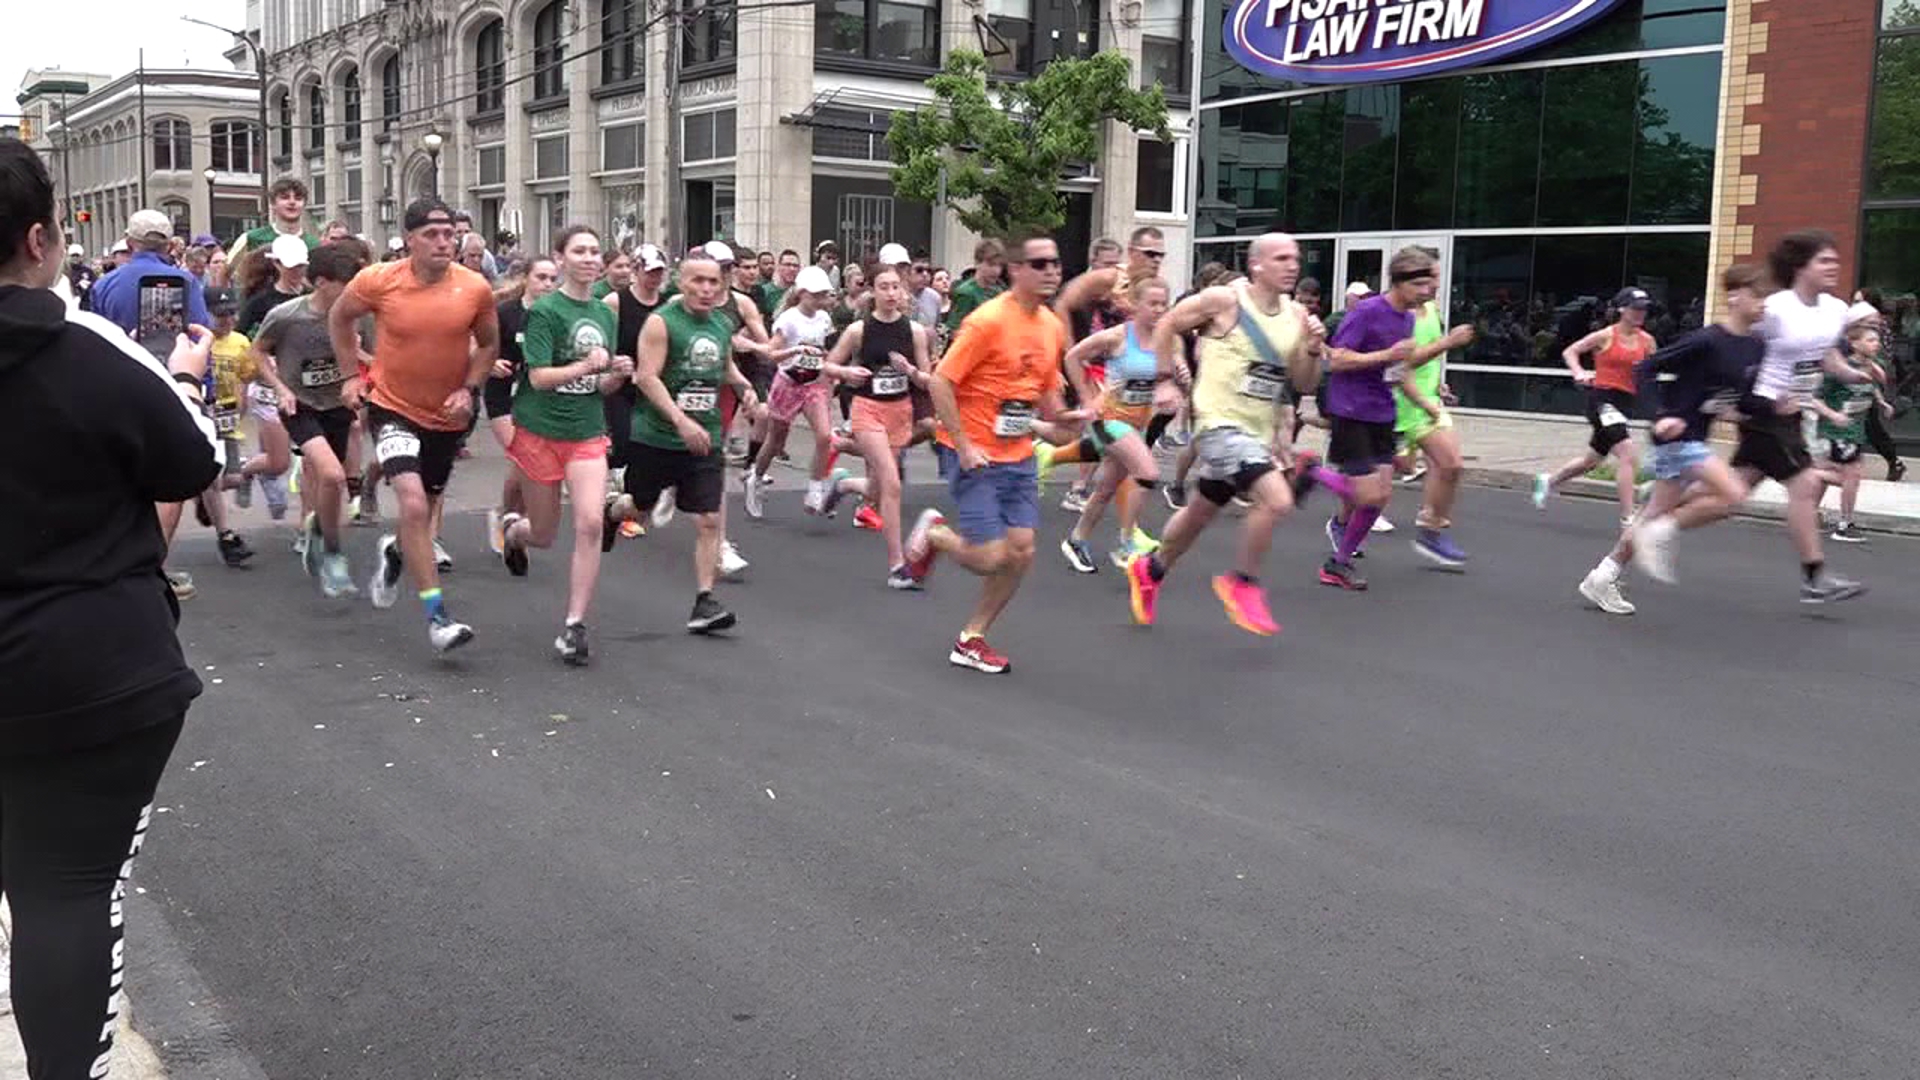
1675	460
992	499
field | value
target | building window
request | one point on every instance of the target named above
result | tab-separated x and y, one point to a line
621	147
896	31
709	37
316	119
622	42
1012	22
1153	178
317	173
625	204
550	158
350	106
549	52
178	213
854	134
172	146
355	183
493	165
707	136
490	68
390	94
232	149
1163	45
284	110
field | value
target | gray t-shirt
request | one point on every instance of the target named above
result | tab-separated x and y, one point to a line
296	337
926	308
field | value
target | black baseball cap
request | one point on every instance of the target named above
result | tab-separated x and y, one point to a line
222	302
424	212
1631	297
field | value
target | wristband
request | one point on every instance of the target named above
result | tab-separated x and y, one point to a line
186	379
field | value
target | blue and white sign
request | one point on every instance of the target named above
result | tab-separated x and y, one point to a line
1361	41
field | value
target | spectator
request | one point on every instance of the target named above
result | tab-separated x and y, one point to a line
462	228
117	296
826	256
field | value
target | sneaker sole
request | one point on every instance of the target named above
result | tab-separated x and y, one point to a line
1073	560
1601	604
465	635
1437	559
1838	539
1225	595
1835	597
973	663
1349	586
711	626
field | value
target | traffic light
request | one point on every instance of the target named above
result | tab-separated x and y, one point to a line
84	216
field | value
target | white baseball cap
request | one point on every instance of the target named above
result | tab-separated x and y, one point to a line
76	250
650	258
813	279
118	247
718	251
1861	312
395	244
149	225
1359	289
894	255
288	251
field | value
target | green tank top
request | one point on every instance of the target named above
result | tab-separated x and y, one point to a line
697	348
1428	376
1237	386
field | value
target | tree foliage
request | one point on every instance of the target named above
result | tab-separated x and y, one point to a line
1004	151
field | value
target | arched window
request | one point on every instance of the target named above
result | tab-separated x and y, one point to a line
350	106
283	110
178	212
549	52
316	118
172	146
390	93
622	53
490	68
232	149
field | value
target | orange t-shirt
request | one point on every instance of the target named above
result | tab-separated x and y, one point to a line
1003	361
423	342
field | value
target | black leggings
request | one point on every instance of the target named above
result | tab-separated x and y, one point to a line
1880	438
70	825
1157	427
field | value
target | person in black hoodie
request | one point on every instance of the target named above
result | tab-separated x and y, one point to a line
96	432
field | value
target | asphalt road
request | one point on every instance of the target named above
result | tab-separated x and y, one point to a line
1457	826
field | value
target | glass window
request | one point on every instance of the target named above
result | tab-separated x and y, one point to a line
840	28
285	113
1890	251
707	136
549	52
1573	278
1243	168
851	133
1899	14
1231	255
493	165
620	147
625	204
906	32
623	45
1499	150
1153	180
1012	21
232	146
490	68
1893	157
350	106
355	184
1429	144
1316	261
550	158
1672	268
723	122
1370	137
390	93
709	38
1586	141
1491	278
1673	160
1315	128
1163	45
316	118
317	174
172	145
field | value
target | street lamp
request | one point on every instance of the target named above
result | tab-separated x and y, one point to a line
431	141
251	38
210	174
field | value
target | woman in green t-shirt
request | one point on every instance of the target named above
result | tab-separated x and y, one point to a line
560	428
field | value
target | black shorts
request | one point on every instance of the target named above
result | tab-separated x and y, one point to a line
334	425
498	396
1608	412
699	481
402	447
1775	446
619	411
1843	451
1359	447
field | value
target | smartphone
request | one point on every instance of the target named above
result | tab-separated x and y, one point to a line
163	314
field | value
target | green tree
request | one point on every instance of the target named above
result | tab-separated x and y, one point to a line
1004	151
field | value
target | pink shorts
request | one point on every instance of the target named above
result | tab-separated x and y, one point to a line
894	419
545	460
787	398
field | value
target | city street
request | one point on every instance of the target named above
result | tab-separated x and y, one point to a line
1456	826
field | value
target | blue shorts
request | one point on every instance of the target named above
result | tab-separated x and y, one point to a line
1676	460
990	500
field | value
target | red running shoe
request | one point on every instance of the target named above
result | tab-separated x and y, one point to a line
1144	590
975	653
920	550
867	518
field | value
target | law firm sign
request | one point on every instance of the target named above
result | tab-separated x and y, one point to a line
1361	41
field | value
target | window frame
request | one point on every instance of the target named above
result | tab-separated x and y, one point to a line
623	65
868	59
490	68
316	117
350	107
639	128
718	48
549	54
392	102
284	113
221	144
175	135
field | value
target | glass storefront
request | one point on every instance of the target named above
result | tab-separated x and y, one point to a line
1890	216
1544	186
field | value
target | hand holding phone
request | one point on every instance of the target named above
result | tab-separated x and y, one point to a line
192	351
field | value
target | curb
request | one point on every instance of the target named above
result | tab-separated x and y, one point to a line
133	1056
1513	480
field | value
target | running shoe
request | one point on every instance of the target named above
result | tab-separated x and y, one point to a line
867	518
572	644
1896	471
1381	525
200	512
902	579
613	520
1335	530
1830	588
1438	548
1541	490
446	634
181	583
1078	556
233	550
243	494
750	485
831	503
515	555
497	532
1341	576
311	545
1418	474
336	580
975	653
1074	501
1142	541
732	563
708	616
441	560
1241	502
368	512
663	508
384	589
1305	463
1246	605
1176	496
920	550
1653	549
1043	452
1847	533
1603	592
1143	590
632	529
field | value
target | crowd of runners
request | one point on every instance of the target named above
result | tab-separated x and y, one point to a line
616	380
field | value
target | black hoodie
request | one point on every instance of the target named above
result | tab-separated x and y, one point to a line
93	433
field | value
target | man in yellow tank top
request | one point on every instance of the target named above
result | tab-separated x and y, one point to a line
1255	343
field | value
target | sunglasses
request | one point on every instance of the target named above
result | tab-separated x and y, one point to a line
921	269
1042	264
1151	253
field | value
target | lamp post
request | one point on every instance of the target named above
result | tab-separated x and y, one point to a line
432	141
251	38
210	174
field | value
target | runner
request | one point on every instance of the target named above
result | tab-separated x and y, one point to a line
288	200
287	268
542	277
987	282
893	351
1696	380
1617	350
804	385
619	275
631	306
1092	302
560	429
1255	342
749	356
1002	370
772	291
1843	408
1115	440
686	356
231	369
295	350
436	337
1424	428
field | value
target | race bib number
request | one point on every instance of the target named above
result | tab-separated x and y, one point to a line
1611	417
698	399
1014	419
395	442
325	375
1806	378
1856	406
585	384
1262	381
806	362
266	395
226	422
1394	373
890	382
1137	392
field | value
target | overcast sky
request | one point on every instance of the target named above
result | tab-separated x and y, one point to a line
106	36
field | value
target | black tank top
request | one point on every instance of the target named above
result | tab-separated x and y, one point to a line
632	312
877	339
513	329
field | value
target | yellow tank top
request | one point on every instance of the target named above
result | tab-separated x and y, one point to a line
1236	386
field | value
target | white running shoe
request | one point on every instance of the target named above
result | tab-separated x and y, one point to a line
1653	549
663	508
1603	592
496	532
446	634
441	560
750	485
384	588
731	563
1381	525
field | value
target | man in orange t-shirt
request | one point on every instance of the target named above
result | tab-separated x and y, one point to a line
996	389
435	339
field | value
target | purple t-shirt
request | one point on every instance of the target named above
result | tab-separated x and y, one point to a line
1367	395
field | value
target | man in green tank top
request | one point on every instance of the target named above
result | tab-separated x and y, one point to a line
289	203
686	358
1422	424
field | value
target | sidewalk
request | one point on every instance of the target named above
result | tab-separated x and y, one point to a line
133	1058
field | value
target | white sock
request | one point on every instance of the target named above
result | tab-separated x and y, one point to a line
1609	568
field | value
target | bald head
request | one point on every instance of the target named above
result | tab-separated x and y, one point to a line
1273	263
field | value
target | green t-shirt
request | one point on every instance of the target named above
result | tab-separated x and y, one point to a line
967	296
561	331
1854	399
601	288
768	296
696	367
1427	377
